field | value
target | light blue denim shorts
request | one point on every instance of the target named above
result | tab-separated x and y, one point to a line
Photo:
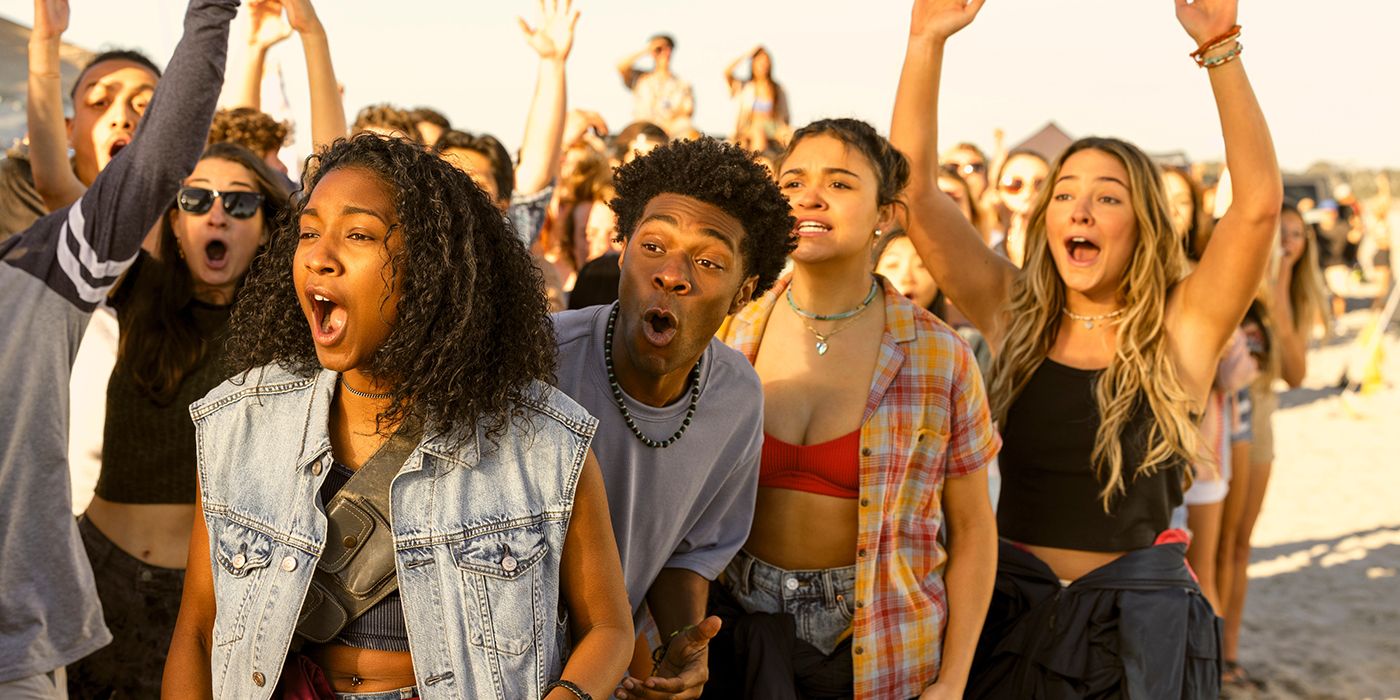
821	600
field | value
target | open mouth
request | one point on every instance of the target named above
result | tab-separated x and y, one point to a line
811	228
216	254
660	327
117	146
327	319
1081	250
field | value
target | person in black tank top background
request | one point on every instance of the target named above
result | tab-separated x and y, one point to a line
1105	352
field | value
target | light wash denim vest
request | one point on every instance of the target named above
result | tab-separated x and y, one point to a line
478	535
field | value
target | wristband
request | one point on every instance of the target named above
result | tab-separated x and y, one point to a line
569	686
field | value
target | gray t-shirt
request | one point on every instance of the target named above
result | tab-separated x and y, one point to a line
52	275
687	506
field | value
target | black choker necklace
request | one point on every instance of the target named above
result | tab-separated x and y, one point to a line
622	405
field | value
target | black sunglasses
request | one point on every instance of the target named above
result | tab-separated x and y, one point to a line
239	205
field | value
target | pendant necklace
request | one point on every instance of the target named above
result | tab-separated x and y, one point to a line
853	315
1089	321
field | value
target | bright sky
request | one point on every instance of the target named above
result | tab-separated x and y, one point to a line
1324	71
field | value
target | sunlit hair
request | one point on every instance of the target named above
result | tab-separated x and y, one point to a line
1306	291
1197	235
1142	367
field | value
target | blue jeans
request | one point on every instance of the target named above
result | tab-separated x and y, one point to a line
400	694
821	600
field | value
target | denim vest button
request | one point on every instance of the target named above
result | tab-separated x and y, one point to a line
791	584
238	560
289	564
316	469
258	679
509	563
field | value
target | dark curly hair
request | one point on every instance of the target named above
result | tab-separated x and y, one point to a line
248	128
473	331
387	116
722	175
891	167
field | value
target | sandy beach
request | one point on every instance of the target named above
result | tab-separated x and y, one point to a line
1323	616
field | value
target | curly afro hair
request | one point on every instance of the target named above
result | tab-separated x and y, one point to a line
722	175
473	332
248	128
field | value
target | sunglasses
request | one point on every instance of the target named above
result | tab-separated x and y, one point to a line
964	169
1015	184
239	205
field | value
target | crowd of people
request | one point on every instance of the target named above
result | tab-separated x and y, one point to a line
806	411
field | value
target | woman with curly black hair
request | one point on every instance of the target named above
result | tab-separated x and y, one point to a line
872	512
396	492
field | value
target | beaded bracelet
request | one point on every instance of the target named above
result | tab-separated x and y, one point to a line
1224	58
658	654
1206	46
569	686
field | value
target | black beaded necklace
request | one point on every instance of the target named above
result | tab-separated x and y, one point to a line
622	405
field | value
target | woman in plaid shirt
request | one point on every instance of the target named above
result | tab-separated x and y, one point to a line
870	562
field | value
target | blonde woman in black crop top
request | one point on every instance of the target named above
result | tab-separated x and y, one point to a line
1102	332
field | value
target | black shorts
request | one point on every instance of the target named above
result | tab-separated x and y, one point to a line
139	603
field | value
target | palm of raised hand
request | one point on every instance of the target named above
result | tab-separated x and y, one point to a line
942	18
50	18
553	36
1206	19
268	25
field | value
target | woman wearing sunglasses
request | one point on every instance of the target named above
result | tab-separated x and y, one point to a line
172	308
1020	179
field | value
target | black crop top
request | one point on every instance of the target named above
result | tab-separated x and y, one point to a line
1050	488
148	452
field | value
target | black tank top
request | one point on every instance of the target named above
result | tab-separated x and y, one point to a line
1050	488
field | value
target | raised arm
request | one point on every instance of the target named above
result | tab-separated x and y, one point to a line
626	69
552	39
48	139
973	277
735	84
266	28
1213	299
82	250
327	109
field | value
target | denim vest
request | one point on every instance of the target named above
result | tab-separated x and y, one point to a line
478	533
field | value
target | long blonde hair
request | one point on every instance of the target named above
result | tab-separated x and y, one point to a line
1307	293
1142	367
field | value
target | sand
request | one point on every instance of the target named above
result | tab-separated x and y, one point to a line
1323	616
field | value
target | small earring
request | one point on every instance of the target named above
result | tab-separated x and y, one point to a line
877	233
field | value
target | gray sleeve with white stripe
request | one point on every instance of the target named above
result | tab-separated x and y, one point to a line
80	251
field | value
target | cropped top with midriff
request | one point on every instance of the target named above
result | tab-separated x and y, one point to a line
831	468
1050	487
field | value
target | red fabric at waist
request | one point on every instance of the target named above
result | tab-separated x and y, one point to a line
830	468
